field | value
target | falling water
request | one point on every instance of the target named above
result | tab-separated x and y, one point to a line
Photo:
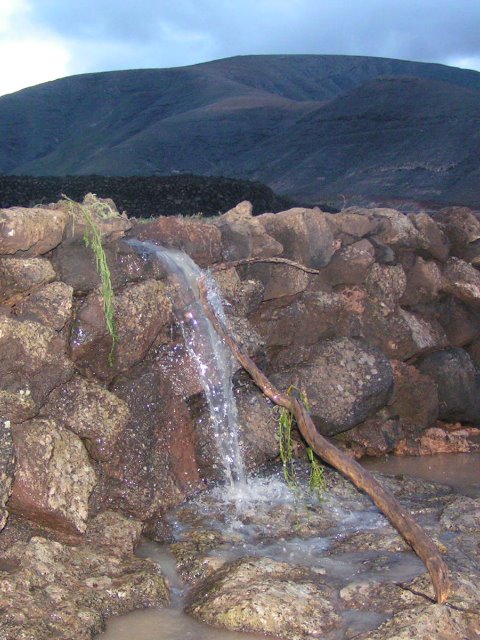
207	350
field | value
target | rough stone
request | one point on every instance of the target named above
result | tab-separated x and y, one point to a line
454	374
351	264
345	381
64	592
435	242
33	363
32	231
53	476
115	532
462	281
142	310
415	398
376	436
396	230
241	297
93	413
200	240
50	305
7	467
424	281
354	222
461	324
462	228
18	277
259	594
305	235
386	284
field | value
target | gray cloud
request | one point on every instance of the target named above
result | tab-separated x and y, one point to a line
104	34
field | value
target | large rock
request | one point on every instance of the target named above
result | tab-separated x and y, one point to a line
351	264
454	374
65	592
463	230
200	240
19	276
33	363
396	230
142	310
462	281
434	241
90	411
53	476
305	235
424	281
7	466
345	380
386	284
50	305
415	401
259	594
31	232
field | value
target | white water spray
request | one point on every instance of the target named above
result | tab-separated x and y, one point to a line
211	356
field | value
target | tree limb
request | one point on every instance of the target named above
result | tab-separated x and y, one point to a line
405	524
237	263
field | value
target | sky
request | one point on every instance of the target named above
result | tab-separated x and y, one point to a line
41	40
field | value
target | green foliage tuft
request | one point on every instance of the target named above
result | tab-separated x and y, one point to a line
93	207
317	483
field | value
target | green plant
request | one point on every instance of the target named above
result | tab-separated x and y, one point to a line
92	236
286	421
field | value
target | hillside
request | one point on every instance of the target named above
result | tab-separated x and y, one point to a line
314	128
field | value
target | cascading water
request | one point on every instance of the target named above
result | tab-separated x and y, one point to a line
207	350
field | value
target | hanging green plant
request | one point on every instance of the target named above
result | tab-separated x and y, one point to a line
317	484
92	238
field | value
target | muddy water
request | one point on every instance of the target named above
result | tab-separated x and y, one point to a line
461	471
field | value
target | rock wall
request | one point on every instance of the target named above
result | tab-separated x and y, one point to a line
382	333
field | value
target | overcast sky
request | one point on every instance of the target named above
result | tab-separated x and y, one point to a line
42	40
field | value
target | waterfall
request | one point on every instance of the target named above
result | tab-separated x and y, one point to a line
211	356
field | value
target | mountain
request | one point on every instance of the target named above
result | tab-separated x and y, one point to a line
314	128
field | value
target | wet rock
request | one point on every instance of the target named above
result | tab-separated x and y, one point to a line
378	596
434	241
425	623
387	540
114	532
53	476
259	594
19	276
415	398
32	232
453	372
305	235
345	381
200	240
7	467
376	436
33	363
424	281
462	281
50	305
90	411
64	592
462	515
279	280
142	310
101	212
241	297
351	264
440	440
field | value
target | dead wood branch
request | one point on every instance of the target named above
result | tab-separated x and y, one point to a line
405	524
238	263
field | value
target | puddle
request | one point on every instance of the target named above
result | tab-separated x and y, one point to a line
461	471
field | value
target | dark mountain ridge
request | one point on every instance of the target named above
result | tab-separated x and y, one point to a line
315	128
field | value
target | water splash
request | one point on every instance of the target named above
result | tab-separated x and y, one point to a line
211	356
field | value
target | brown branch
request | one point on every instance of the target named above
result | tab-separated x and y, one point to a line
361	478
237	263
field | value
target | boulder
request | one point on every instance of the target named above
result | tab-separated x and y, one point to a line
376	436
396	230
7	467
454	373
278	280
424	282
463	230
64	592
261	595
241	297
50	305
114	532
385	284
345	381
351	264
33	363
305	235
462	281
142	310
31	232
354	223
93	413
434	241
461	324
53	476
415	401
200	240
19	276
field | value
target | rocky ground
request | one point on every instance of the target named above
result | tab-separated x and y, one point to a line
383	336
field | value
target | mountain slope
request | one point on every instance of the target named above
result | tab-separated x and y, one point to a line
312	127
